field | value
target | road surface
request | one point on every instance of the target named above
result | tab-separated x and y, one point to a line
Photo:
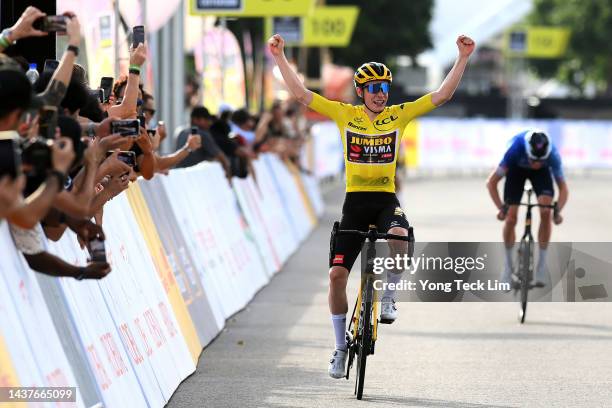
275	352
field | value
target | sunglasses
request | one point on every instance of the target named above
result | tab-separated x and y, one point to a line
375	88
151	111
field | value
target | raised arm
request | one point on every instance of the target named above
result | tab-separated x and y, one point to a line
56	90
445	92
276	46
128	107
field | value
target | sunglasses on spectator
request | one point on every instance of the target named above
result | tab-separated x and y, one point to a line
149	110
375	88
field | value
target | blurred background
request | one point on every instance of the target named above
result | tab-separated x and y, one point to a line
543	63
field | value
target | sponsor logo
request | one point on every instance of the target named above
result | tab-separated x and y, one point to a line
384	124
361	181
351	124
394	224
338	259
357	119
398	211
373	149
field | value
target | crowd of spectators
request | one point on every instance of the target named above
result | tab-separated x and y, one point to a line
67	147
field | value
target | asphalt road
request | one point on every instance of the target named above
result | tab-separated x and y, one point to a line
275	352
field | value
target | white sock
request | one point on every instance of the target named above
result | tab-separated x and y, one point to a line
509	254
542	260
393	278
339	322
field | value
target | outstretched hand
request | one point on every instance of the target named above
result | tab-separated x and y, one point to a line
465	45
276	44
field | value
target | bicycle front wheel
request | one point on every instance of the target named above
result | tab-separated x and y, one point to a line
364	345
525	252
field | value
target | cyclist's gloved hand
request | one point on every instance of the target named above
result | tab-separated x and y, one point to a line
501	215
557	217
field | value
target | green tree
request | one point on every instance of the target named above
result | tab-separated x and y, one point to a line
386	28
588	58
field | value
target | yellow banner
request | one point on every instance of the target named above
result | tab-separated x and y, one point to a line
330	26
145	222
8	374
250	8
537	42
325	27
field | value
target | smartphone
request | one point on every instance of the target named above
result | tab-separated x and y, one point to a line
47	122
138	36
126	128
142	120
50	66
96	249
98	94
106	83
50	24
128	157
10	156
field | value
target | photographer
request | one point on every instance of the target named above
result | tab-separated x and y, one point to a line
15	99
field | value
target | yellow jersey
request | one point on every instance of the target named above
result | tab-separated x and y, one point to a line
371	147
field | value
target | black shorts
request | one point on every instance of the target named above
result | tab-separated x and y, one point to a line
541	180
360	210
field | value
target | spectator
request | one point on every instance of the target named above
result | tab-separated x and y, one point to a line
202	120
232	145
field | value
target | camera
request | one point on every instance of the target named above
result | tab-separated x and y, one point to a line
98	94
96	249
138	36
51	24
127	157
47	122
50	66
126	128
10	156
106	84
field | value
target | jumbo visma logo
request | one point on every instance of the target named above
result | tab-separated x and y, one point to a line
374	149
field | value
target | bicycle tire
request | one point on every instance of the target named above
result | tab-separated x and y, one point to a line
365	339
525	266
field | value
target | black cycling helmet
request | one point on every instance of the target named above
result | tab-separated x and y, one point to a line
537	145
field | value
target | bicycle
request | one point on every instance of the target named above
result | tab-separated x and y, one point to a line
524	274
364	321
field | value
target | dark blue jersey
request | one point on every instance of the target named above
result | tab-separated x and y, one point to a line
516	156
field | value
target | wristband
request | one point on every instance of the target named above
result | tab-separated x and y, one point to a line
81	274
4	41
61	178
74	49
134	69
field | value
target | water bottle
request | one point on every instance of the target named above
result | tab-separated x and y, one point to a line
32	74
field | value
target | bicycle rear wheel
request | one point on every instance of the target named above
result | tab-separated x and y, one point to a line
364	344
525	252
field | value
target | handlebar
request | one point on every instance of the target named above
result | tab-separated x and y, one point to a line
373	235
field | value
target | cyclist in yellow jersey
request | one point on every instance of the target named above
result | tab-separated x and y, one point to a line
371	134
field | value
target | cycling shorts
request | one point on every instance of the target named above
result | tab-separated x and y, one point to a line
360	210
541	180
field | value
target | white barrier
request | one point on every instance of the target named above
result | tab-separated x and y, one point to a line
441	143
187	250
